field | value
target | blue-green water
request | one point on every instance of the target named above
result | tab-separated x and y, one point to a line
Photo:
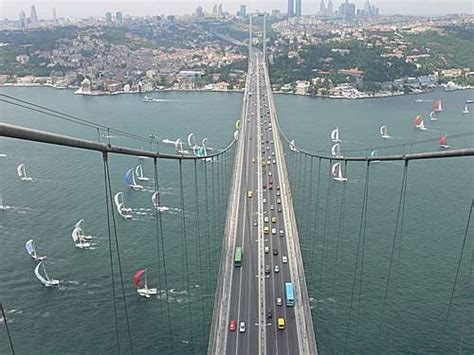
68	185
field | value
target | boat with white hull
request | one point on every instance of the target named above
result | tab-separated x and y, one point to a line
44	278
142	284
21	171
336	172
123	211
31	250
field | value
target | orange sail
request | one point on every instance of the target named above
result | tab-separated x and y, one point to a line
437	106
418	120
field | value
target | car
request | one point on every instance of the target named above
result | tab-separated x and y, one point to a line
272	207
269	162
279	301
278	193
279	201
274	231
284	259
232	325
270	180
266	230
269	313
263	172
282	233
268	148
255	223
275	251
267	249
279	209
265	219
274	219
264	200
253	160
281	323
264	163
242	327
277	268
250	194
274	161
267	269
273	153
278	187
271	142
269	173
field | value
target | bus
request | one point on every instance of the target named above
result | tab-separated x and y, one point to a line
290	297
238	257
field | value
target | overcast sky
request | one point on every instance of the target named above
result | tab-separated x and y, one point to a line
86	8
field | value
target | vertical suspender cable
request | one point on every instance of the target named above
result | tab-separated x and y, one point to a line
160	241
309	205
112	272
185	245
198	237
466	314
314	236
208	233
4	316
117	249
326	216
394	242
456	277
214	224
359	242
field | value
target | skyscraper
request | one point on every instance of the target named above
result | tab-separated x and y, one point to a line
291	8
55	18
243	10
108	18
33	15
330	9
119	18
199	12
220	10
347	11
22	20
214	10
322	8
298	8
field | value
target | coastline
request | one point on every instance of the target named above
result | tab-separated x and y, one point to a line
363	96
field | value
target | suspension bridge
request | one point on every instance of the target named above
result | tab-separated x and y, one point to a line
261	301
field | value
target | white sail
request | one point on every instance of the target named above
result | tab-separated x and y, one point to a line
21	171
206	149
191	141
336	150
79	242
466	109
292	146
45	280
123	211
79	226
433	116
384	132
155	199
335	135
30	248
139	173
145	291
337	172
2	206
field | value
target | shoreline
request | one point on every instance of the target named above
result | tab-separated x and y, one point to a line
78	91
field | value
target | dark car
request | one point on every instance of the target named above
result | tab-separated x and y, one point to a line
268	269
275	251
269	313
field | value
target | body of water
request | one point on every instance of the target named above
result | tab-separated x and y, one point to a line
68	184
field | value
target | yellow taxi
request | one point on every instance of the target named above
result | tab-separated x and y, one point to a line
266	230
274	219
281	323
250	194
253	160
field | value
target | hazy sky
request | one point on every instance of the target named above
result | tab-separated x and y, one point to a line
85	8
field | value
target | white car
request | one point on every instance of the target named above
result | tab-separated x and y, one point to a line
279	301
272	207
277	268
267	249
269	173
242	327
265	219
264	200
284	259
274	231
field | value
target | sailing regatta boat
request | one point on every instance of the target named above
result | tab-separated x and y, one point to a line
30	248
21	170
2	206
437	106
433	116
292	146
466	109
337	172
142	285
335	135
336	151
79	242
384	132
45	280
82	236
155	198
121	209
443	142
418	122
130	181
139	173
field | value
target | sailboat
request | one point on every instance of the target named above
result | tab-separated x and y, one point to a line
30	248
139	173
123	211
79	227
337	172
384	132
79	242
418	122
142	285
2	206
373	154
130	181
466	109
335	135
155	199
336	150
443	142
21	170
45	280
437	106
292	146
433	116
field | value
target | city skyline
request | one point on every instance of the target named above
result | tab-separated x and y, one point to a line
11	9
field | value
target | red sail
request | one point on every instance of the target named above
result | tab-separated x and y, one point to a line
137	276
417	120
443	140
